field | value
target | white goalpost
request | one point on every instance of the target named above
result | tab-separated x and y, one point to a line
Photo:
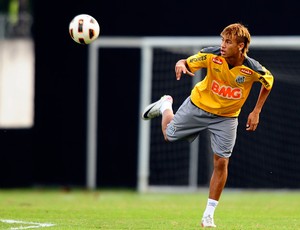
151	85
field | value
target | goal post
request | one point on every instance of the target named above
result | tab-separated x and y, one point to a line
160	167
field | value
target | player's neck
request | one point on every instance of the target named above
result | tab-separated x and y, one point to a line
235	60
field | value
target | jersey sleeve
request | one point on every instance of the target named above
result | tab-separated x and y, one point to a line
266	79
197	61
200	60
264	76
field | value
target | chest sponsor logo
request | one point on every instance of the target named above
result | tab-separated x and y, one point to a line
226	91
217	60
246	71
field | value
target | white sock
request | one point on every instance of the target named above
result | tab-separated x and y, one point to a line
210	207
166	105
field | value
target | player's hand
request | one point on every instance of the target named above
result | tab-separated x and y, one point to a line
252	122
180	68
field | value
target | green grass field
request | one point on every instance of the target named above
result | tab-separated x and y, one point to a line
122	209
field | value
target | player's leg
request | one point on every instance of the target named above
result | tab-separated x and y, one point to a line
167	116
185	124
217	184
223	136
219	177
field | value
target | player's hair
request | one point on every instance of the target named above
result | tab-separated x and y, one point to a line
240	33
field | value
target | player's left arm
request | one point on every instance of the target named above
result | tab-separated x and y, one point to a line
267	84
253	118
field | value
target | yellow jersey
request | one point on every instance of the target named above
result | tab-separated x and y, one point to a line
224	90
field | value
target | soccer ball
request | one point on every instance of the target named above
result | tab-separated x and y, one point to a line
84	29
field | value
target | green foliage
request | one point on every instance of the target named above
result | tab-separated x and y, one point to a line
13	6
115	209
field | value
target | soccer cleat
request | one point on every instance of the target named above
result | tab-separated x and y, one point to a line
153	110
208	222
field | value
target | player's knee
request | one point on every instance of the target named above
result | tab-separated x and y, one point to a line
221	163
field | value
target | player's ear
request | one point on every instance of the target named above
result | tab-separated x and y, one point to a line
241	46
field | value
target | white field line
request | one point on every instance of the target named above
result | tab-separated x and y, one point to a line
28	224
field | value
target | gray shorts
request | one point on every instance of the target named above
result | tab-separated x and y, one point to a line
189	120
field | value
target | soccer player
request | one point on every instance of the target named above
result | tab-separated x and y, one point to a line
215	103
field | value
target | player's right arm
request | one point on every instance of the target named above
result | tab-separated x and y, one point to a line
181	68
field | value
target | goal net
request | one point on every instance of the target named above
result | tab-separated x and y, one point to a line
267	158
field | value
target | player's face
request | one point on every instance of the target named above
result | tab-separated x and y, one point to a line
229	47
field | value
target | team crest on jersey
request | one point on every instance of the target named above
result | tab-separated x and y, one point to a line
240	79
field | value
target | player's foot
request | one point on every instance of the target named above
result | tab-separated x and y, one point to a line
208	222
153	110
